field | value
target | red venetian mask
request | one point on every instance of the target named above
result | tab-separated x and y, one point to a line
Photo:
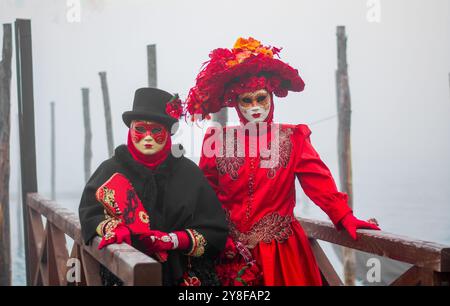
141	129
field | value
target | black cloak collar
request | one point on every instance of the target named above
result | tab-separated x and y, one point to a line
123	156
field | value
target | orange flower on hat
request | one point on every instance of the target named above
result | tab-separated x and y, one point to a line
241	56
264	51
232	63
250	44
244	48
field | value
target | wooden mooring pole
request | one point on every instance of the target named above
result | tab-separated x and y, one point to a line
53	153
5	127
19	216
221	116
108	117
24	63
87	134
151	65
344	143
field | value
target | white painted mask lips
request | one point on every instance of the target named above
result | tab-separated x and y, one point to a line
254	114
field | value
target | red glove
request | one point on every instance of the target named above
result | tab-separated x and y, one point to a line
158	241
115	233
351	224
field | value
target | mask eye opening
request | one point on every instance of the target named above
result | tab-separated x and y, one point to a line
140	129
246	100
261	98
156	130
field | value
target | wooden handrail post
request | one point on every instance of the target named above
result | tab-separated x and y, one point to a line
431	261
87	134
344	143
151	66
5	127
53	151
221	117
24	63
51	255
108	117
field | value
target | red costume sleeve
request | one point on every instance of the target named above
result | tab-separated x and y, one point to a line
208	164
316	179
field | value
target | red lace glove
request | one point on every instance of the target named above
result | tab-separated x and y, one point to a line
113	232
158	241
351	224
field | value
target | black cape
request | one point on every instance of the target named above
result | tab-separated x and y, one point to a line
177	196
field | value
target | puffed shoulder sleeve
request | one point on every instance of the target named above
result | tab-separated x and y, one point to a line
208	155
316	179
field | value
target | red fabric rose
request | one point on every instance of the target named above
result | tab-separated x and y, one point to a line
249	275
238	273
174	107
190	280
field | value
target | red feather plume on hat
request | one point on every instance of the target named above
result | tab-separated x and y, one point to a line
247	67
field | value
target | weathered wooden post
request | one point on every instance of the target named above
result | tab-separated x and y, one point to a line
19	216
5	127
53	153
221	116
24	63
108	118
87	134
151	65
344	144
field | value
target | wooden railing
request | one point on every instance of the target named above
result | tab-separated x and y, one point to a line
430	261
49	255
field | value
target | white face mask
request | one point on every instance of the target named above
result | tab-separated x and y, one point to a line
255	106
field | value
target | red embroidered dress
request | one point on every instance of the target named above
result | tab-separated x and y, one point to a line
259	201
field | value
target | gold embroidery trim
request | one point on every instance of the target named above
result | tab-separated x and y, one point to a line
109	200
198	243
100	227
270	227
143	216
106	228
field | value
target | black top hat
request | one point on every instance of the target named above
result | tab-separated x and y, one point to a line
150	104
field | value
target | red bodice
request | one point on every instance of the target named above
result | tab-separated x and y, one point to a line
258	194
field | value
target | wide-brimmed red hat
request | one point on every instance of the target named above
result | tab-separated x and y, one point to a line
228	73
